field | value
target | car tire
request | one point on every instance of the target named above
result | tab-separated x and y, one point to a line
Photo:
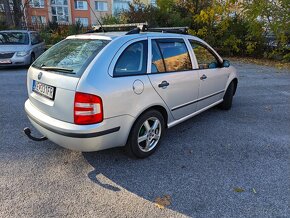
228	97
146	134
32	58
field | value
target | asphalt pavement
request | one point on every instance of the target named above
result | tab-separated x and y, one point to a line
218	164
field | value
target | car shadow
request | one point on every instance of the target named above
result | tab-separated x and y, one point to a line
184	167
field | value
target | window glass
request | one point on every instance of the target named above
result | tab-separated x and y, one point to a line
59	10
157	60
83	20
101	6
175	54
38	19
74	54
36	3
205	59
133	61
81	5
34	39
13	38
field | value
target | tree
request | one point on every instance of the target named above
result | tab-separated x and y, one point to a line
8	14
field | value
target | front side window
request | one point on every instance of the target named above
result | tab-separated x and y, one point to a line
205	59
101	6
74	55
174	54
14	38
133	61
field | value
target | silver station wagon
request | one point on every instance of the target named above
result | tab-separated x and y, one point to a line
101	90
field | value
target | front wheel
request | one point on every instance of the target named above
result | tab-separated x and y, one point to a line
146	134
32	58
228	97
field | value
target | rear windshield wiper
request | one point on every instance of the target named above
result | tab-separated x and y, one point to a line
58	69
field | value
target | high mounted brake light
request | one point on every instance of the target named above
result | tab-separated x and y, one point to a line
88	109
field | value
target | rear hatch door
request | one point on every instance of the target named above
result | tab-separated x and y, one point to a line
53	78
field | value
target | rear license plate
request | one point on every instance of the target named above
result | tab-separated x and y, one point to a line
43	89
5	61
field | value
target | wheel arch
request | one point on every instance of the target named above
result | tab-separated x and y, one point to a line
232	80
159	108
235	81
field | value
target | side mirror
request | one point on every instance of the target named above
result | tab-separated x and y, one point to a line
226	63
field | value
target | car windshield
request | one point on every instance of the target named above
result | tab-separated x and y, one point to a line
14	38
70	56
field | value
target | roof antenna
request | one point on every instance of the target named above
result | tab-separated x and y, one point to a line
101	26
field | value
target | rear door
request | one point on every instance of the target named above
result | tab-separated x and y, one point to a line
172	75
212	76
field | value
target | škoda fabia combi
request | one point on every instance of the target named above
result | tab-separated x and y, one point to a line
101	90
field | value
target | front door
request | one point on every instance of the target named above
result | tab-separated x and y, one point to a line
172	75
213	77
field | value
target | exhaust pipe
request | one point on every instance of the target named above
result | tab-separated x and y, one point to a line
27	132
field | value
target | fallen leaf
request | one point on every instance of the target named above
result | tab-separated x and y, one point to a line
268	108
238	189
162	202
254	190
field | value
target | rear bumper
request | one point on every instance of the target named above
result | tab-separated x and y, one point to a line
110	133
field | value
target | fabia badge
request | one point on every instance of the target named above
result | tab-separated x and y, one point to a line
39	75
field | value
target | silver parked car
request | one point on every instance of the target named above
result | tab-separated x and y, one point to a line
19	47
101	90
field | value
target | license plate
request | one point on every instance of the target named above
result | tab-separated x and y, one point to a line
43	89
5	61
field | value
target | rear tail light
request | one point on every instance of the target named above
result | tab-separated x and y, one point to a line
88	109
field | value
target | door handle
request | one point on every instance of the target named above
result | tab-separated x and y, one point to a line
203	77
164	84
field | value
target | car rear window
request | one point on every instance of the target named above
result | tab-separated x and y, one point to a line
70	56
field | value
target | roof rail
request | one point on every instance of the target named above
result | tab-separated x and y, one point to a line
139	27
180	30
119	27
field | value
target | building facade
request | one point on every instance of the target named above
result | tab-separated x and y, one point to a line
87	12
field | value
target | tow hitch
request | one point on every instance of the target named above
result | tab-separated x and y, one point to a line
27	132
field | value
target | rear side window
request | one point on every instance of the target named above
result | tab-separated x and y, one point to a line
205	59
35	38
170	55
133	60
70	56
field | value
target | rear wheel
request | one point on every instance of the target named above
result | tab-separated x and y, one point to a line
146	134
228	97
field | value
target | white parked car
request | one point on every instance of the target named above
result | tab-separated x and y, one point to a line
101	90
19	47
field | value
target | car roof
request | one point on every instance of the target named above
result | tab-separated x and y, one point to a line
17	31
114	35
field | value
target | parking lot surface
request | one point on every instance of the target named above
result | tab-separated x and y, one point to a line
218	164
